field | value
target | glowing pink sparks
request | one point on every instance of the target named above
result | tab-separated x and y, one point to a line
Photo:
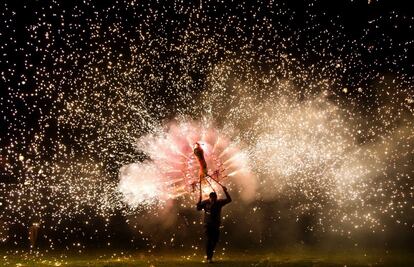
172	169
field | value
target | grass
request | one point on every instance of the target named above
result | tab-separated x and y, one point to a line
237	259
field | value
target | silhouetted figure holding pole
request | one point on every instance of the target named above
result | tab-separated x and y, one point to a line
212	209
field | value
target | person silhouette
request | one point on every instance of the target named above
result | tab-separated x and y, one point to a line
212	210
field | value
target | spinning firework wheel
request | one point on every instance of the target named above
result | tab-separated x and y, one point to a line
210	171
207	177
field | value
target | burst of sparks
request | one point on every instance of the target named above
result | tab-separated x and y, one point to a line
96	92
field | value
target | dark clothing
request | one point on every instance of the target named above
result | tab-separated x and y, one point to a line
212	211
212	237
212	214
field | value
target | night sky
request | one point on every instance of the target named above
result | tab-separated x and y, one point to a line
306	109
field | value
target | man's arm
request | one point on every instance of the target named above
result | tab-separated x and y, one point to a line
228	197
200	204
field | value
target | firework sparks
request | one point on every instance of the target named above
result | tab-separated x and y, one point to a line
103	104
172	169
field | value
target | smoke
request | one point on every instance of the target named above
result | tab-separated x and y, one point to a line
140	184
171	170
301	146
299	117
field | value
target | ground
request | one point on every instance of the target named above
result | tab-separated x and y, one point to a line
237	259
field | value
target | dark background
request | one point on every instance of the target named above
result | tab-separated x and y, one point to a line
309	23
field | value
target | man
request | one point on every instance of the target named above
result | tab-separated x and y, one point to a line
212	209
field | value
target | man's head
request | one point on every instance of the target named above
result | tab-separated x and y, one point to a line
213	196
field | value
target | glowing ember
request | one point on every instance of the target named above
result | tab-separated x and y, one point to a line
172	169
103	103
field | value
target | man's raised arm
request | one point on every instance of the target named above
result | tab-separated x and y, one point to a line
228	197
200	204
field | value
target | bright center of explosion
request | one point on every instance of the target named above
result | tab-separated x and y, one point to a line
172	169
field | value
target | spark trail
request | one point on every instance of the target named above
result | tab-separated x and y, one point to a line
172	169
103	103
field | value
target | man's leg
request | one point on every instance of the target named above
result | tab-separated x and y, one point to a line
215	233
212	235
209	243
